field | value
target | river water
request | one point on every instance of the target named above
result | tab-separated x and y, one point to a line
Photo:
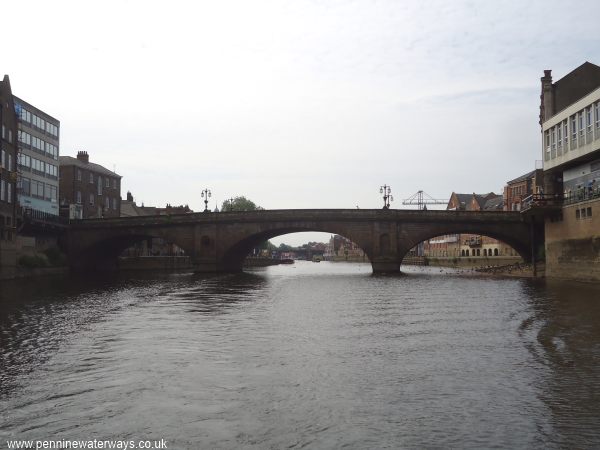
307	355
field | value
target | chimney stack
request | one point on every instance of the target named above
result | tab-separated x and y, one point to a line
546	97
83	156
129	197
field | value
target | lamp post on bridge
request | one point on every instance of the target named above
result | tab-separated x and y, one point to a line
387	195
206	194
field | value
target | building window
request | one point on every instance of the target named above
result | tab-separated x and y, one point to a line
2	189
10	135
577	214
99	185
574	128
115	182
115	203
589	211
566	132
107	183
78	175
581	125
78	197
598	115
3	131
24	186
91	178
37	189
92	199
50	193
588	112
495	252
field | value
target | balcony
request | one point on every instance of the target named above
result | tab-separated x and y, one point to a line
474	241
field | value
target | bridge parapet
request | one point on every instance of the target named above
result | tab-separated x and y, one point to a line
221	241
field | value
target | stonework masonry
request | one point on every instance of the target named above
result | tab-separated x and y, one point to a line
573	243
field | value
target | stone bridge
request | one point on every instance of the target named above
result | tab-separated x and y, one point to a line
219	242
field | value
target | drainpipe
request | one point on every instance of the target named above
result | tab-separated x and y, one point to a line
533	246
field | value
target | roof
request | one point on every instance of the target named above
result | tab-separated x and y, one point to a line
70	161
464	199
525	177
481	199
494	203
575	85
130	209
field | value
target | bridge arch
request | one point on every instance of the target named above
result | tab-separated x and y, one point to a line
102	252
456	245
236	253
517	241
221	241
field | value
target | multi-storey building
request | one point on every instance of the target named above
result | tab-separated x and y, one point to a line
38	140
88	190
570	121
470	245
8	161
518	190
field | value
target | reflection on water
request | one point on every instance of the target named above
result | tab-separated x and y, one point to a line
320	355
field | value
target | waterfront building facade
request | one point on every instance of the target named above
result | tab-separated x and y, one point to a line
469	245
570	126
88	190
8	162
518	190
38	146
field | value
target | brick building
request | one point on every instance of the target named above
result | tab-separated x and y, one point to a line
517	190
8	162
469	245
88	190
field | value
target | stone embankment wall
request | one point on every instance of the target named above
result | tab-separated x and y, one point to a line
155	263
474	262
573	243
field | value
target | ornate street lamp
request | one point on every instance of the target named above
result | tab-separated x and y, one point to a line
387	195
206	194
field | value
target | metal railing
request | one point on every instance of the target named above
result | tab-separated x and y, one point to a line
580	195
540	200
35	216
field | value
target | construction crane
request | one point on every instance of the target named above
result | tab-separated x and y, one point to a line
422	199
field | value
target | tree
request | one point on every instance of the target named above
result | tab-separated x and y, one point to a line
240	203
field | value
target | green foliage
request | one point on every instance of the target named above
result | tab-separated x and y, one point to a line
267	245
32	261
51	257
55	257
239	204
285	248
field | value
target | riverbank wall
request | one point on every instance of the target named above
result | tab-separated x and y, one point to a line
474	262
168	263
573	242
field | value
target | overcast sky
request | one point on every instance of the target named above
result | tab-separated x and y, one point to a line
297	104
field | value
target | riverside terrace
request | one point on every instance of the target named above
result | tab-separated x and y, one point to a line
219	242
